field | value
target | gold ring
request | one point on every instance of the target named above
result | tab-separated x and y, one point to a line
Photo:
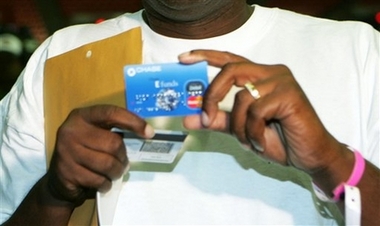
252	90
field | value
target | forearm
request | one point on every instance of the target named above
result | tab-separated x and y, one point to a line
340	171
370	195
40	208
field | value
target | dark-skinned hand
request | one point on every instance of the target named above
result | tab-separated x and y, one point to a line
306	144
88	156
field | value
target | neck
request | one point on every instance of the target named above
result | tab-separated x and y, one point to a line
208	24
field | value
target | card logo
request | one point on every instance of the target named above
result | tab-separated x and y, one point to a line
132	71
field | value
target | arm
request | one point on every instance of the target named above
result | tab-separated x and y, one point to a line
41	208
307	145
87	157
339	171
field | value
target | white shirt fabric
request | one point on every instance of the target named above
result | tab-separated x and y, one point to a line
336	63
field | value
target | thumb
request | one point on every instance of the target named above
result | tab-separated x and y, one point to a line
221	121
192	122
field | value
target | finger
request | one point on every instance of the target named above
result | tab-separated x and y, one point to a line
213	57
265	139
236	71
276	145
87	179
239	72
72	182
102	140
101	163
219	87
89	136
239	115
109	116
264	129
104	162
192	122
236	74
221	122
231	65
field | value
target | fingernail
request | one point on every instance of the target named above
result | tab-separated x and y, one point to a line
183	55
149	131
186	58
127	169
205	119
245	146
256	145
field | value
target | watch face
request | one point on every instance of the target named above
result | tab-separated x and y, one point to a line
167	99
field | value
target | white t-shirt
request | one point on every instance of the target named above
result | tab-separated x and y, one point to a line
336	63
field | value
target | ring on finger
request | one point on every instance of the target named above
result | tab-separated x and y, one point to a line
252	90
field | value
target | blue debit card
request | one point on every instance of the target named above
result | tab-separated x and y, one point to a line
169	89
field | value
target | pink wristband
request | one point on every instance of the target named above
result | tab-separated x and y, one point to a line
354	179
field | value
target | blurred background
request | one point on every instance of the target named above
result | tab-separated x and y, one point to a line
24	24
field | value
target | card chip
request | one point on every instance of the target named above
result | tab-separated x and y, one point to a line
157	147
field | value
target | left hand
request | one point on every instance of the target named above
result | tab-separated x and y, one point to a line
88	155
309	146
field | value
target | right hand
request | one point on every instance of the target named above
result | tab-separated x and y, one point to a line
88	156
281	125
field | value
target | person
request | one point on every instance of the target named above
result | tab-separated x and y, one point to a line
295	90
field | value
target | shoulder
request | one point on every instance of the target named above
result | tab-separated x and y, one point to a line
322	32
325	26
75	36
